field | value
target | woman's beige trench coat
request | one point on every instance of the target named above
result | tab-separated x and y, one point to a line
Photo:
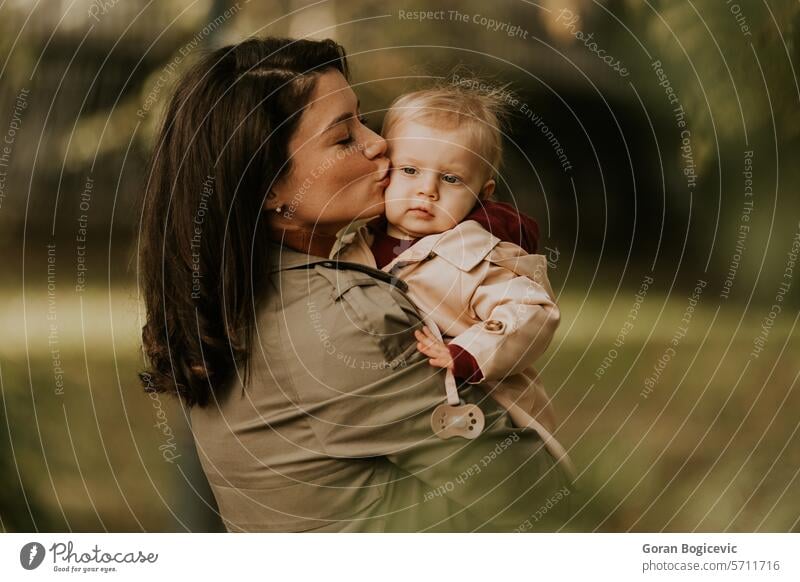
333	430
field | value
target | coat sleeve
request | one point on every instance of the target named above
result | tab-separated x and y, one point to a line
517	312
498	479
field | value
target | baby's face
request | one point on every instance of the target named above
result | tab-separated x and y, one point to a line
436	178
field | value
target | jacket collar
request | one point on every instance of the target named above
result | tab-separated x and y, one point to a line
287	258
464	246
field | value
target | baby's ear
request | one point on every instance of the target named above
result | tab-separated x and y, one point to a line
487	190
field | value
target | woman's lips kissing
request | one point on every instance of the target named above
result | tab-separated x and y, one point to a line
384	181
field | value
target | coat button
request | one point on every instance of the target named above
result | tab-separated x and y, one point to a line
494	325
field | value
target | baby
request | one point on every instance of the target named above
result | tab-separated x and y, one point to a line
455	248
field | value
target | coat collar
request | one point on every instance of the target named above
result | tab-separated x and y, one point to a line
288	258
293	248
464	246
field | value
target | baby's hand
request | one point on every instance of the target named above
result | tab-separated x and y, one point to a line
435	349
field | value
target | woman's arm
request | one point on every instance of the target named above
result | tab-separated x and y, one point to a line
500	478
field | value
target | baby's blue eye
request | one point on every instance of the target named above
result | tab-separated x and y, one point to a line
408	170
451	179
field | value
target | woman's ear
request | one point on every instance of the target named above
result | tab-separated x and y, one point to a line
487	190
271	201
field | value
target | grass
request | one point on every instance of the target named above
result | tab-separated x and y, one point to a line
713	446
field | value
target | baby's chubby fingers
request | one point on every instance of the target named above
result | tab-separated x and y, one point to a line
423	338
429	346
426	330
423	343
439	362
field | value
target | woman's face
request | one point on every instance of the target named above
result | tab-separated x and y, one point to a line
339	169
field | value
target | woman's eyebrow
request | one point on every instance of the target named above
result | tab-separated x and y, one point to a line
343	117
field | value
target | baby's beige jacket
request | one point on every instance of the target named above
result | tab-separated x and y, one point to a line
489	297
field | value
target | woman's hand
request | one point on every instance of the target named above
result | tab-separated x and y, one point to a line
435	349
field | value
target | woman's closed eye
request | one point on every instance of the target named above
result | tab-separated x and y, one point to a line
362	119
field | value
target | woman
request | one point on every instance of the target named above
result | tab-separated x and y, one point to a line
310	404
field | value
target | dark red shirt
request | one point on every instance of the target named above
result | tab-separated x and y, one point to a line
384	247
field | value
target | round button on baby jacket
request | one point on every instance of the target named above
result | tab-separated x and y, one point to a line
494	325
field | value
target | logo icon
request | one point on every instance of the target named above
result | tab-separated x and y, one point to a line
31	555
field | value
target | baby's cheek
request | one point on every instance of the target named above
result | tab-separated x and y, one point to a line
394	210
395	204
395	189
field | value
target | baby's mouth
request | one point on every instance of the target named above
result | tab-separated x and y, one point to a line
421	212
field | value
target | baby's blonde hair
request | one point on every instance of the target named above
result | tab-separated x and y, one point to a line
456	102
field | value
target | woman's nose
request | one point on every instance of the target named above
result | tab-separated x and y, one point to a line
375	146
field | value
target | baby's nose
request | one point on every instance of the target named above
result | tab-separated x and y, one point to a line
428	188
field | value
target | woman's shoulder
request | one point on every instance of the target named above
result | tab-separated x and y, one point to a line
349	302
378	299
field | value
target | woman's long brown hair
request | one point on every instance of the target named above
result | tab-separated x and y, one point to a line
203	263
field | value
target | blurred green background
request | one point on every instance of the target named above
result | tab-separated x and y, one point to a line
704	437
